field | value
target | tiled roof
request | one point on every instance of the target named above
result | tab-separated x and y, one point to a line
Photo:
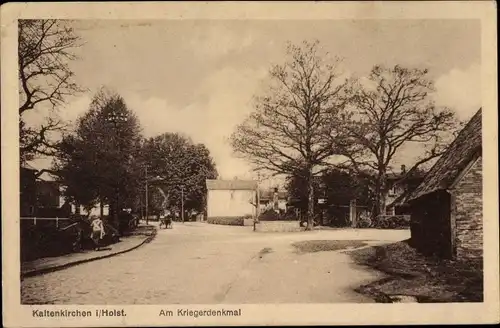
459	153
231	185
400	200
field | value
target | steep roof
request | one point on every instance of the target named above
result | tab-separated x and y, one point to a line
459	153
231	184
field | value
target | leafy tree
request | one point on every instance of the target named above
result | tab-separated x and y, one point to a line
293	126
100	161
337	187
340	187
180	165
45	46
393	108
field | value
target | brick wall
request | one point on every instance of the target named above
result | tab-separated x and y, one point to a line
468	212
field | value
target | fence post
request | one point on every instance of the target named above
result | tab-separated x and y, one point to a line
34	220
57	222
352	212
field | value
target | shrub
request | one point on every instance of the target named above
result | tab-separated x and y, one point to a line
364	220
271	215
392	222
230	220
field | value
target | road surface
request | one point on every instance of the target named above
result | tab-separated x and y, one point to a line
199	263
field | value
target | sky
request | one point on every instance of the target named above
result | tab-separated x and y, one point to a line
198	77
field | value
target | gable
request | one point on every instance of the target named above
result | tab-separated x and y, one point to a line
466	147
474	165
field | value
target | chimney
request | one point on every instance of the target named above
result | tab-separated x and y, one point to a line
403	168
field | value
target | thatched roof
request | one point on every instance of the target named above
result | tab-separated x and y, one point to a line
231	184
459	153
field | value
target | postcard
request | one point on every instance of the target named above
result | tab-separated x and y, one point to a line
249	163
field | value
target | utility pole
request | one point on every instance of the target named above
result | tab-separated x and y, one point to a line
257	208
146	169
182	204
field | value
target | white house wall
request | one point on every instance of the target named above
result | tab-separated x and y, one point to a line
95	211
230	203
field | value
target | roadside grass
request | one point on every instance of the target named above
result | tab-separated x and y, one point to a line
429	279
312	246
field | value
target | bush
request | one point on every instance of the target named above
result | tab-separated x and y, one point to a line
364	223
230	220
316	220
392	222
271	215
47	241
364	220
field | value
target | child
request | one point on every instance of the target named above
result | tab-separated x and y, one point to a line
97	232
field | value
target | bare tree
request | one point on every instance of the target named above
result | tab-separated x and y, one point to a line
391	109
44	50
288	130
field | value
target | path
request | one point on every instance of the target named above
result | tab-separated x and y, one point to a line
208	264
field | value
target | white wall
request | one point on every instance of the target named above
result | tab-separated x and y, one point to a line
282	204
224	203
96	210
270	205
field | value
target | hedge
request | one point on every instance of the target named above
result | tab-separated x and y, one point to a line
392	222
272	215
228	220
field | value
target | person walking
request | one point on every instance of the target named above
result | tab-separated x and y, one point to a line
97	232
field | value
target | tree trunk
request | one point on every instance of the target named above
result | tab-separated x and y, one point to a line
77	208
382	203
380	196
310	201
101	208
117	210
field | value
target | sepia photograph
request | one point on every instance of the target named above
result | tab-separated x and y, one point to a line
225	162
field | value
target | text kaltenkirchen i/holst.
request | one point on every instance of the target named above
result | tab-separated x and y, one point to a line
77	313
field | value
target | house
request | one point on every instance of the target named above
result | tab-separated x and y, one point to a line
27	190
42	196
401	185
231	198
50	201
272	199
446	208
39	196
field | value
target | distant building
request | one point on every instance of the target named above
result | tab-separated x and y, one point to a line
272	199
231	198
447	207
42	196
401	185
27	190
